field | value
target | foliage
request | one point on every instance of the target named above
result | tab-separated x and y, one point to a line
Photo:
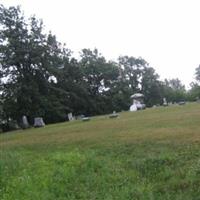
174	90
99	76
151	87
194	92
197	73
29	59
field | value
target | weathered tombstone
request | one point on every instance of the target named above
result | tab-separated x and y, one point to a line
181	103
70	116
113	115
38	122
25	123
85	119
165	102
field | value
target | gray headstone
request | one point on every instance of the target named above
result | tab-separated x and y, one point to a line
25	123
85	119
70	116
181	103
113	115
38	122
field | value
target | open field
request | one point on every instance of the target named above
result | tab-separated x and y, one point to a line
148	155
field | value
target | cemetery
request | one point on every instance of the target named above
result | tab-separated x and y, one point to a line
75	125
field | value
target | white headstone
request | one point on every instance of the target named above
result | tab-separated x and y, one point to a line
70	116
133	108
38	122
85	119
25	123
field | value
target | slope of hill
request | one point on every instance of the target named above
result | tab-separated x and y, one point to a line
151	154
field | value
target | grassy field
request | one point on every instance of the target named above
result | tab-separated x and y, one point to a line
148	155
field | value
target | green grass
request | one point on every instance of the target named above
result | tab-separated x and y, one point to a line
152	154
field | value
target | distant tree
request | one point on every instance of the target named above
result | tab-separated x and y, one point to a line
194	92
175	84
197	73
174	90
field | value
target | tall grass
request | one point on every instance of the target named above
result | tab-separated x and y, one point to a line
152	154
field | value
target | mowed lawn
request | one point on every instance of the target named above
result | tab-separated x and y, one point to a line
147	155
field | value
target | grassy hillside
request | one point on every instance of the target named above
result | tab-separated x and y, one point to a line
151	154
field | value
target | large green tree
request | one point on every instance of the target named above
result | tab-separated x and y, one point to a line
99	76
151	87
137	76
174	90
29	60
131	69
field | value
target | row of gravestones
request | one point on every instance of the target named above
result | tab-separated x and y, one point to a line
83	118
38	122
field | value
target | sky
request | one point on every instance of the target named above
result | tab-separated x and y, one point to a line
166	33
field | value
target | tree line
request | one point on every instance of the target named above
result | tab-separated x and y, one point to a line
40	77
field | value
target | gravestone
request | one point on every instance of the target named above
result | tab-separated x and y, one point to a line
25	123
70	116
38	122
133	108
85	119
165	102
113	115
181	103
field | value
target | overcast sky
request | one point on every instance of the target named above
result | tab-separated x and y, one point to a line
166	33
